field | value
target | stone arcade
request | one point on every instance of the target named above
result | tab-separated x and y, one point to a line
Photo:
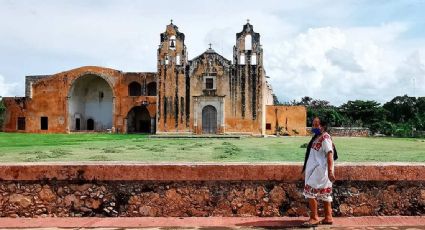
206	95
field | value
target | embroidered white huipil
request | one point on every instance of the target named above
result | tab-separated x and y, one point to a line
317	182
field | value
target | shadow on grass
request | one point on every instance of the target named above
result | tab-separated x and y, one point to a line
35	156
99	158
226	150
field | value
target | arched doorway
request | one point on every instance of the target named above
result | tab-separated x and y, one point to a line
209	119
139	120
90	101
77	124
90	124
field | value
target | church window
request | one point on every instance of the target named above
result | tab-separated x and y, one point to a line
248	42
178	61
242	59
253	59
172	42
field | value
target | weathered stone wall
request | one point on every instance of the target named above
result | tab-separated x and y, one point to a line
346	131
292	119
225	97
173	98
50	98
350	131
29	80
203	190
210	64
248	80
127	102
212	198
237	96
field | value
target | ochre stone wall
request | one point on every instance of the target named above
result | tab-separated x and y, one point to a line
228	103
203	190
172	82
292	119
50	99
238	95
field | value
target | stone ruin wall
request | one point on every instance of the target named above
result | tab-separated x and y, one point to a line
188	190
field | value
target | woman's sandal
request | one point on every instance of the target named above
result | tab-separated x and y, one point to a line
325	222
307	224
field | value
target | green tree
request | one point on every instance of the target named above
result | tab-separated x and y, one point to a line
383	127
420	105
329	113
363	112
401	109
399	117
322	109
306	101
275	100
418	121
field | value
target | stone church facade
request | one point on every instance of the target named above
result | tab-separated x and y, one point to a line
205	95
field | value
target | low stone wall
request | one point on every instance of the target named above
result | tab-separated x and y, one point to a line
350	131
203	190
346	131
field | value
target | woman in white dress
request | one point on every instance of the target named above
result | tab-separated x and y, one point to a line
319	172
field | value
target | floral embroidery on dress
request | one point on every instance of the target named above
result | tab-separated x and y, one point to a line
318	144
317	191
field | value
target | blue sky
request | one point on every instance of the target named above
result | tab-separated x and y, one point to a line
332	50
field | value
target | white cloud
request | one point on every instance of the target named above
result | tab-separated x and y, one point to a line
411	74
345	64
7	89
344	60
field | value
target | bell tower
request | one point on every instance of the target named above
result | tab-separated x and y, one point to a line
249	71
172	81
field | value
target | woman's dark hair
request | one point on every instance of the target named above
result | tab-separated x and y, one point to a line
323	122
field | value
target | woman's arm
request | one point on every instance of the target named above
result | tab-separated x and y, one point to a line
330	160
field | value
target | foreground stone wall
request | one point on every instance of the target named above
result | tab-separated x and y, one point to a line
362	190
266	198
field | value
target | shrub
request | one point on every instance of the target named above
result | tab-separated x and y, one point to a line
383	127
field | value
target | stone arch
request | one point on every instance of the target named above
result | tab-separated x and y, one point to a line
90	97
95	73
140	121
90	124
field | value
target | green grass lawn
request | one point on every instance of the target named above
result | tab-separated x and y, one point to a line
15	147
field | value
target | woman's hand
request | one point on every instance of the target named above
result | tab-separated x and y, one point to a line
330	161
331	175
